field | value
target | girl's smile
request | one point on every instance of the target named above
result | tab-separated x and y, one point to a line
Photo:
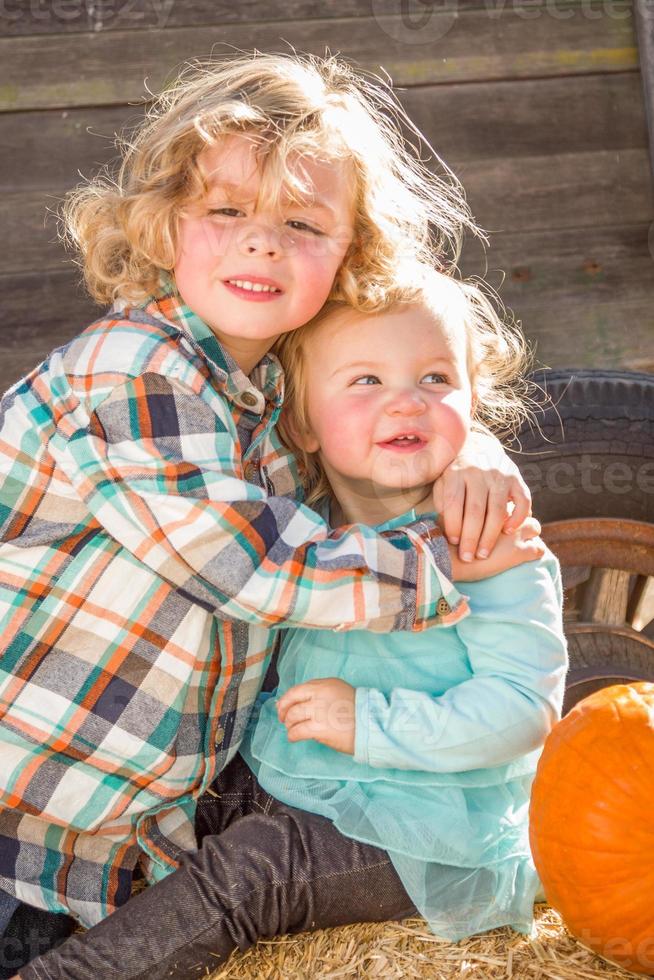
388	402
404	443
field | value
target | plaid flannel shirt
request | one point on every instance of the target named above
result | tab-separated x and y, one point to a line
151	534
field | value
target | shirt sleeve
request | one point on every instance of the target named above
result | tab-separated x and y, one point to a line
157	465
517	653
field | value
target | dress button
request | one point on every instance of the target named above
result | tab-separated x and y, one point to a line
220	735
247	398
443	607
251	472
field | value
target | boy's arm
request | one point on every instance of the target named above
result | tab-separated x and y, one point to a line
157	466
473	493
517	653
521	546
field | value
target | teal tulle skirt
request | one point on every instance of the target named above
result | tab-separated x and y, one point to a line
459	841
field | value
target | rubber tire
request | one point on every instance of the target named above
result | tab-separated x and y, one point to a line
603	660
591	453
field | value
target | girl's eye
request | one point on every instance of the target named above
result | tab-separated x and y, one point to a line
435	379
366	379
226	212
303	226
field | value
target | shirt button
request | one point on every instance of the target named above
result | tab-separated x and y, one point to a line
247	398
251	472
220	734
443	607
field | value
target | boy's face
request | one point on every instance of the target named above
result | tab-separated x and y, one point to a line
290	256
388	396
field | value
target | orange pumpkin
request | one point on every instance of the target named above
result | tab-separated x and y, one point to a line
592	823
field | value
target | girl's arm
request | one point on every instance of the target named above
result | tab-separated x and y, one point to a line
516	648
157	465
517	652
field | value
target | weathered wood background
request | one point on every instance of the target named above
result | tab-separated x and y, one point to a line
536	104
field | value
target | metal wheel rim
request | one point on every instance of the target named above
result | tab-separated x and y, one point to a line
608	575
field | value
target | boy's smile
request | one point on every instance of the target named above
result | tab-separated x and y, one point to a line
251	271
254	288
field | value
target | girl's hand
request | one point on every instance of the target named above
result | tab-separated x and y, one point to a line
322	710
473	494
511	550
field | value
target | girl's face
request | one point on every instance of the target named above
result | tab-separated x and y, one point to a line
388	397
253	273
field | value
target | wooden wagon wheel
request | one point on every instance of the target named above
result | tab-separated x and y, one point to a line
590	465
608	576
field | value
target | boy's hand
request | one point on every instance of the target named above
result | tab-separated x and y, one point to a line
322	710
511	550
473	494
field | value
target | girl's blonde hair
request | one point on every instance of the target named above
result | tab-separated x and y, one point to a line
125	224
497	359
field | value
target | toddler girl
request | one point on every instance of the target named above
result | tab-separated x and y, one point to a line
152	529
393	773
424	746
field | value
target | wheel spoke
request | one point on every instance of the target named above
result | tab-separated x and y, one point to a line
605	597
574	575
640	611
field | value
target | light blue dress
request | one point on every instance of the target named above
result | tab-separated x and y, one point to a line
449	727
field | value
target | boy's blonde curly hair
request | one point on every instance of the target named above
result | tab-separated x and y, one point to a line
497	358
125	224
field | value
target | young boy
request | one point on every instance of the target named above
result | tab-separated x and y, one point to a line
151	525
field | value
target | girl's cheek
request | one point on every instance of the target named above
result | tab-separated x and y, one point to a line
458	400
354	430
335	430
364	414
454	418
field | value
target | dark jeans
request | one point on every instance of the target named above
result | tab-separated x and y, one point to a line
263	869
29	933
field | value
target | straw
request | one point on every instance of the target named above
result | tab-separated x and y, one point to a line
395	951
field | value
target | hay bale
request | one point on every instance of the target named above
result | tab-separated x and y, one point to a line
399	950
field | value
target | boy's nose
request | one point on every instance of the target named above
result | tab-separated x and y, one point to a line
406	402
261	240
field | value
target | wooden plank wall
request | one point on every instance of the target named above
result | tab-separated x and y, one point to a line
536	105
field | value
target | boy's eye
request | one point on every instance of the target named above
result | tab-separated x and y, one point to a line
303	226
367	379
435	379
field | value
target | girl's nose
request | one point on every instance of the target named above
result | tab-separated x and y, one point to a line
408	401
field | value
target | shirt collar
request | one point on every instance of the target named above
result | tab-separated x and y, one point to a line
323	506
266	381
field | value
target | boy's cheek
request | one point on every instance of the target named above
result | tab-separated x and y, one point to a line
201	239
214	240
